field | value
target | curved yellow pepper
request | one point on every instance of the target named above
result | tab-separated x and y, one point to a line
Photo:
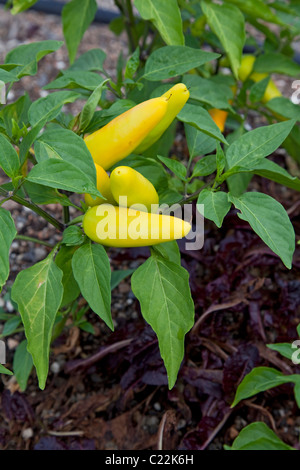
138	190
177	96
245	71
124	133
103	185
122	227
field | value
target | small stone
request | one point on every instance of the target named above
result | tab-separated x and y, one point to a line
157	406
55	367
27	433
40	253
9	306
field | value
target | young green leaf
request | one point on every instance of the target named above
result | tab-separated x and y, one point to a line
167	306
7	234
166	18
258	436
92	272
77	15
205	166
4	370
261	379
216	205
176	167
269	221
9	160
38	291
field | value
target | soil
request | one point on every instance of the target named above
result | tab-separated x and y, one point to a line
108	390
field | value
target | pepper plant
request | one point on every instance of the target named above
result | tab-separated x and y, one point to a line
49	155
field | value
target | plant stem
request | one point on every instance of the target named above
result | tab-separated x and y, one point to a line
34	240
34	208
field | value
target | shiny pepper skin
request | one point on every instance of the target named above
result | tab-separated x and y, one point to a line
103	185
124	133
245	72
138	190
177	96
219	116
124	227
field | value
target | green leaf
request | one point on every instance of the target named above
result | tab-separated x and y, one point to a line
77	16
11	325
3	370
166	18
21	5
206	91
26	56
274	62
64	162
256	9
73	235
198	142
169	250
132	64
257	144
92	272
64	261
90	107
47	108
42	195
228	24
259	380
270	222
258	89
9	159
258	436
216	205
22	365
200	119
63	175
285	349
76	79
90	61
167	305
118	276
7	234
205	166
18	112
176	167
170	61
284	107
38	292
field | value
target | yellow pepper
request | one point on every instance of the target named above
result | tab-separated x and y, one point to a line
124	227
177	96
103	185
219	116
124	133
138	190
245	72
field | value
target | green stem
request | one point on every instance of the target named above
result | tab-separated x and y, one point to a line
34	240
34	208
